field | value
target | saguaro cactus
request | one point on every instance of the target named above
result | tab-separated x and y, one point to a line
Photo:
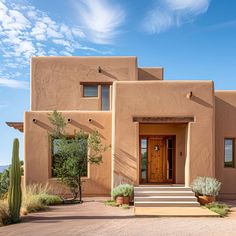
14	193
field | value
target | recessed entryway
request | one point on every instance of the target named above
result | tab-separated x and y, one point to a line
157	159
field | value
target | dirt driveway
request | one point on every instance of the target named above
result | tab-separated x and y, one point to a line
94	218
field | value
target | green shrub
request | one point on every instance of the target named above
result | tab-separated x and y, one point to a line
125	190
206	186
4	183
111	203
125	206
36	197
4	213
49	200
219	208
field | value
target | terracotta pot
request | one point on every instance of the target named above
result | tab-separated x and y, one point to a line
203	200
120	200
126	200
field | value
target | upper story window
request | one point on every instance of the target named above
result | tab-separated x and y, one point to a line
105	97
90	90
229	152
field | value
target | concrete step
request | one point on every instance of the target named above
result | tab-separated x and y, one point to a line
163	193
161	188
165	198
166	204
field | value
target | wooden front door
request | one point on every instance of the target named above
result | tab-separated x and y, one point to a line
156	160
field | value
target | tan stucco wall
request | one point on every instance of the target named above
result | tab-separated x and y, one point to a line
162	98
55	81
150	73
38	148
170	129
225	128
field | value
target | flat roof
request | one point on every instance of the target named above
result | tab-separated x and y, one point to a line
16	125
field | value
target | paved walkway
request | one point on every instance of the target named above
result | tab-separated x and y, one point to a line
94	218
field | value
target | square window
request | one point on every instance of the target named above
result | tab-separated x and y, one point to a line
90	90
57	157
229	152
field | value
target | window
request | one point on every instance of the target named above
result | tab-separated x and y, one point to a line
144	159
81	152
105	97
229	152
90	90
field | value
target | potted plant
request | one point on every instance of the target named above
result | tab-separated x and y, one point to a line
122	193
206	189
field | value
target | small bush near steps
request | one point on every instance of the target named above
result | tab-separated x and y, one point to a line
220	208
114	204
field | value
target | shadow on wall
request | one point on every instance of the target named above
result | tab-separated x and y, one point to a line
125	167
201	102
72	122
43	125
144	75
84	127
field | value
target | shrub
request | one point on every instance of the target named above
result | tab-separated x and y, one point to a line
206	186
33	204
36	197
122	190
111	203
4	213
219	208
4	183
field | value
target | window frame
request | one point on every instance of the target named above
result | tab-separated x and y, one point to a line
91	85
233	152
51	138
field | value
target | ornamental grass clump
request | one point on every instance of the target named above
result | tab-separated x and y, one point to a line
206	186
37	197
4	213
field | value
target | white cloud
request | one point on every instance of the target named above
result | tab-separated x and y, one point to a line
25	32
173	13
11	83
100	19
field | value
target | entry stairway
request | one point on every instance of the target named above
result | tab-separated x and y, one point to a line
164	196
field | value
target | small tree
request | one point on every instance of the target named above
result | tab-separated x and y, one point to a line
73	154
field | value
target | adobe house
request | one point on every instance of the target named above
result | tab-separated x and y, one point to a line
160	132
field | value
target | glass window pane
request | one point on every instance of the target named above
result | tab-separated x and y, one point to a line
143	143
144	158
169	143
90	90
144	163
105	97
229	153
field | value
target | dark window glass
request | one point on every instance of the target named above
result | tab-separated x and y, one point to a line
90	90
170	153
105	97
229	152
144	158
56	154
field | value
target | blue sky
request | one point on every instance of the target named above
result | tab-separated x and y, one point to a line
192	40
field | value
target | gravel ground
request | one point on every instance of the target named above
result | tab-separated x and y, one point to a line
94	218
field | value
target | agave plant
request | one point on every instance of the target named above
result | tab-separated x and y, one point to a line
206	186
